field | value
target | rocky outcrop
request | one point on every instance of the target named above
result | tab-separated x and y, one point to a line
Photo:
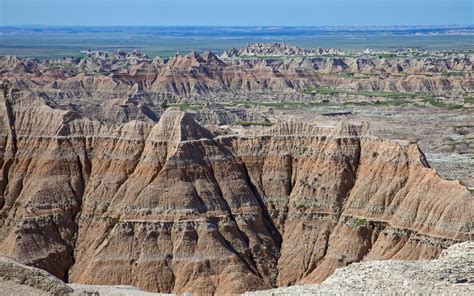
277	50
451	274
216	114
118	54
171	207
19	279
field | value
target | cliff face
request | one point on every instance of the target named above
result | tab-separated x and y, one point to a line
170	207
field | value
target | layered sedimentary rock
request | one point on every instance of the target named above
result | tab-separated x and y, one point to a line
120	87
111	76
171	207
450	274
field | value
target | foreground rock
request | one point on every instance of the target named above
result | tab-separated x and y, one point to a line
19	279
451	274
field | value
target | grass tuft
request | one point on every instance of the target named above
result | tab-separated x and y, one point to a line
360	222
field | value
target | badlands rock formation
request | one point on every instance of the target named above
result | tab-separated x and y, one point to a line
112	76
120	87
277	50
171	207
450	275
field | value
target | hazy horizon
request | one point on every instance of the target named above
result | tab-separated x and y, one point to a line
338	27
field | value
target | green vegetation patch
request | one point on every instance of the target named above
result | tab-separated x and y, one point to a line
321	91
301	207
441	104
349	75
330	91
56	66
400	75
357	103
392	98
469	100
390	102
360	222
453	73
187	106
384	94
289	105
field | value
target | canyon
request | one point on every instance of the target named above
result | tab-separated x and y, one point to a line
106	180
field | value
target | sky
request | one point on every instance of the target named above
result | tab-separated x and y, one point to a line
236	12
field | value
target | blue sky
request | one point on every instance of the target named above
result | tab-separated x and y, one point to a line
237	12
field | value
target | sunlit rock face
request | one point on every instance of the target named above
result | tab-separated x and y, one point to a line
168	206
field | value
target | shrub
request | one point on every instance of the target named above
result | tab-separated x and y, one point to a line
469	100
360	222
305	183
300	207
